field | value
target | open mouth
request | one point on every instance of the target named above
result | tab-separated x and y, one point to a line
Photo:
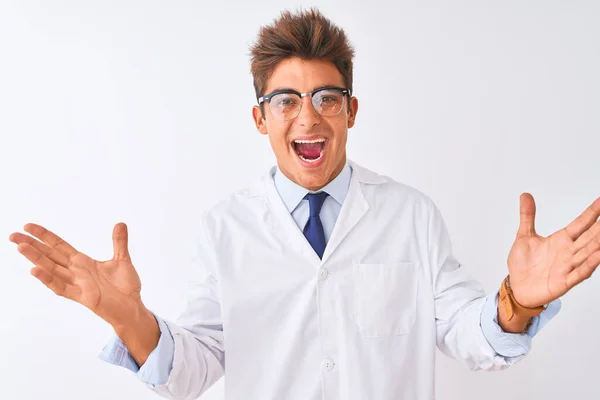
309	151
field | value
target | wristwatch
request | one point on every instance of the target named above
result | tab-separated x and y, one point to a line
512	307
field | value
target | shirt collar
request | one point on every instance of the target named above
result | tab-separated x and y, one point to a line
292	194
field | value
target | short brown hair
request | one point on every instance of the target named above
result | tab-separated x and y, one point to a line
305	34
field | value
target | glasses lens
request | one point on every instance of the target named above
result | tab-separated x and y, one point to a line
285	106
328	102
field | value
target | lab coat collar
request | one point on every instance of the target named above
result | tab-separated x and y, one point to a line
364	175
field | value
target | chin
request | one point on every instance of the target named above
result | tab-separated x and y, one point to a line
313	180
312	176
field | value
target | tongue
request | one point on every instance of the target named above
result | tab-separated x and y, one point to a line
310	151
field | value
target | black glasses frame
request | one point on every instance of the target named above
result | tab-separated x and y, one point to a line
268	97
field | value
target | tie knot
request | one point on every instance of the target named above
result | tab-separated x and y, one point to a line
315	202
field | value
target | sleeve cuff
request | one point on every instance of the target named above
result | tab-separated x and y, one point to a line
157	367
512	344
155	371
115	352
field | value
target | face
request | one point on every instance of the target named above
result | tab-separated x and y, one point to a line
322	139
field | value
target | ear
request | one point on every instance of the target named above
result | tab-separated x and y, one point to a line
261	123
353	110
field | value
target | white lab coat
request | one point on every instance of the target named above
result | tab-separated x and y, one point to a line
362	323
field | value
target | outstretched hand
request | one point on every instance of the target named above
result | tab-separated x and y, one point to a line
542	269
105	287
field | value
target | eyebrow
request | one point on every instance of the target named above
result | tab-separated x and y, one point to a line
289	88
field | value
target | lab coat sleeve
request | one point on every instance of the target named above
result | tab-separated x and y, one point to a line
459	303
199	353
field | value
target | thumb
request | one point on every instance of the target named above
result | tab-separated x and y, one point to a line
120	242
527	212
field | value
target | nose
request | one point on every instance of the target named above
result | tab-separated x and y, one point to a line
308	116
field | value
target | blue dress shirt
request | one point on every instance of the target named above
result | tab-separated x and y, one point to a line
157	367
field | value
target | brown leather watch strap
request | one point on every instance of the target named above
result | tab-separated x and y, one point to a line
511	305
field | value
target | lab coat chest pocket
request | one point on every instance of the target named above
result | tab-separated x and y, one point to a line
385	298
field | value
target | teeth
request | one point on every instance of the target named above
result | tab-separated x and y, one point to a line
310	161
310	141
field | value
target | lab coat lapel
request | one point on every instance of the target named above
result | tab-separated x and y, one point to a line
353	210
282	224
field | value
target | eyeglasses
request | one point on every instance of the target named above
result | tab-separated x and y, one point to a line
286	104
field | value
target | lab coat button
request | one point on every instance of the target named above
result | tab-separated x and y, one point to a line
327	364
323	273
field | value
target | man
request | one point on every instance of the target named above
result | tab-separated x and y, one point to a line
324	280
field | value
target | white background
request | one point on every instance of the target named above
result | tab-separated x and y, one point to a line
141	112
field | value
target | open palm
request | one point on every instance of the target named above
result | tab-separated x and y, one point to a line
104	287
542	269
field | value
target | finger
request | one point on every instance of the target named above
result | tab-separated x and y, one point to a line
585	270
120	242
527	213
584	220
588	244
590	238
50	238
53	254
55	283
41	261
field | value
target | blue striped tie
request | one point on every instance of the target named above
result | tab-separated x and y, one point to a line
313	230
